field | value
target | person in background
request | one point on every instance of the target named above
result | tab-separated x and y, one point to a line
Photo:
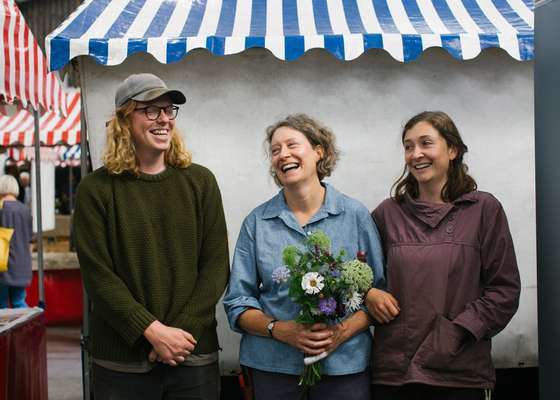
25	188
151	239
302	153
451	266
15	215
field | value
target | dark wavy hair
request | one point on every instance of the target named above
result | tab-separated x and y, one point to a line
459	181
316	133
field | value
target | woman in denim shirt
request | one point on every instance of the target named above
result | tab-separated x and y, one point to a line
302	152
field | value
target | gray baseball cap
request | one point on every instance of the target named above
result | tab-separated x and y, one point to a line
145	87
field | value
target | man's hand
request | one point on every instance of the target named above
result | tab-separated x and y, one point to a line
170	345
382	305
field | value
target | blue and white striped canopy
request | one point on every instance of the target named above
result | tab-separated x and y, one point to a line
111	30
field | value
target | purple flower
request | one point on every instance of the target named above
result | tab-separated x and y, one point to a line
327	306
335	273
281	275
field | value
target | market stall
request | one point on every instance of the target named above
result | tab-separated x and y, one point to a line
24	78
23	69
54	129
23	364
351	67
59	155
59	138
63	289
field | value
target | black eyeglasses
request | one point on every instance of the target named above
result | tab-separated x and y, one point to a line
153	112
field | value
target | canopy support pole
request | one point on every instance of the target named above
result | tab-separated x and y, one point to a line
38	203
86	357
70	189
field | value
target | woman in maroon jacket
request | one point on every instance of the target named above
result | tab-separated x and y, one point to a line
451	268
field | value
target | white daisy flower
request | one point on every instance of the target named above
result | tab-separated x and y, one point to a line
354	302
312	283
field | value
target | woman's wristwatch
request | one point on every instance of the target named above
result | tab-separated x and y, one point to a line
270	327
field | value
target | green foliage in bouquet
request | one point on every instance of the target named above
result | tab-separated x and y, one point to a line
317	258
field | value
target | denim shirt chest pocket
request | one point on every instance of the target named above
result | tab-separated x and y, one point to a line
271	238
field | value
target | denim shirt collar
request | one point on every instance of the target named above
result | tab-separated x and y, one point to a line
278	208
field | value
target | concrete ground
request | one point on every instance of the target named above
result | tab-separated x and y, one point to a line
64	365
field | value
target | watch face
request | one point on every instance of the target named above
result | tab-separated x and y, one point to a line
270	326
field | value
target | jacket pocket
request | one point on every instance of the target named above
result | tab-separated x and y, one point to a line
448	347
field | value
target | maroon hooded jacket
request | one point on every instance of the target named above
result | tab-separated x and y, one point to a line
453	270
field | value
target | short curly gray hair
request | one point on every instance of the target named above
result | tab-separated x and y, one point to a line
8	185
316	133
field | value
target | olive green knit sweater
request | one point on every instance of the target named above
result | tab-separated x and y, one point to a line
151	247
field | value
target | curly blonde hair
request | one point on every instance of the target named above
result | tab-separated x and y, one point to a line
120	155
316	133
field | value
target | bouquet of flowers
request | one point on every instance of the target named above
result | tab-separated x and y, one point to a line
325	286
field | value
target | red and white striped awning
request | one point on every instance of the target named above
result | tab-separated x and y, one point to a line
18	129
23	67
63	156
16	154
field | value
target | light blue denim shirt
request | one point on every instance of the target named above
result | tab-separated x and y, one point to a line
266	231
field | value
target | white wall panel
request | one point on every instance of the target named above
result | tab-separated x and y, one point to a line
366	101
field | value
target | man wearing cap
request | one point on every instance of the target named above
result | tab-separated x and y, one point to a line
151	240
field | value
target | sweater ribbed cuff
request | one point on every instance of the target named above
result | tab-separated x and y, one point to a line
137	322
